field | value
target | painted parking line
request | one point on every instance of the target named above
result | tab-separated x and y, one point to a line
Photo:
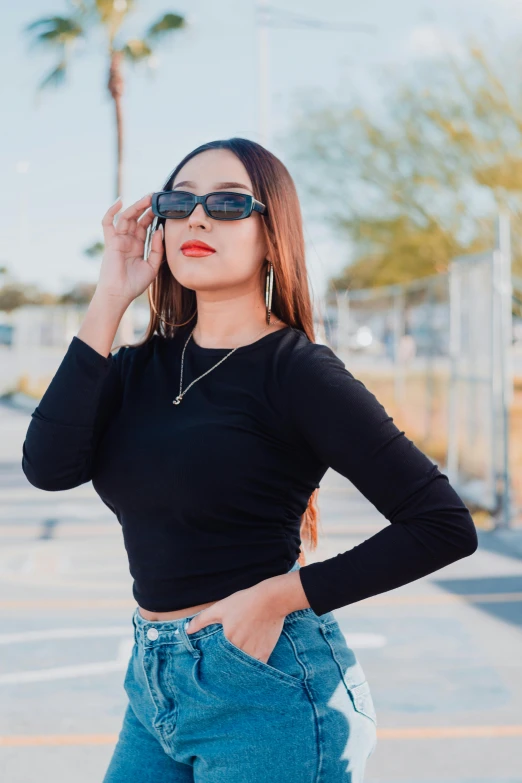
118	664
63	672
426	732
63	530
64	633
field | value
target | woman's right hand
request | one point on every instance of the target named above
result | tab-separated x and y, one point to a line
123	273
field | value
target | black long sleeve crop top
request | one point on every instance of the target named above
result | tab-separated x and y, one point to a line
209	493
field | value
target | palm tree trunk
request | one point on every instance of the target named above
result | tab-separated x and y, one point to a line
116	86
125	332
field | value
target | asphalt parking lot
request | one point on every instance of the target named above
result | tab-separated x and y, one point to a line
443	655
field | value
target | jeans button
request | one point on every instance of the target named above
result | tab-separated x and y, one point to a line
152	633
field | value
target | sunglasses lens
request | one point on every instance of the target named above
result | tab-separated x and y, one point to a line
175	205
227	206
224	206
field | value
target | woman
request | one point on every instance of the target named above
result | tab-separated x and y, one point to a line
208	440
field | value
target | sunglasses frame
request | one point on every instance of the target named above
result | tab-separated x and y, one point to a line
252	204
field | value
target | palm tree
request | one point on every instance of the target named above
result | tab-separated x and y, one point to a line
65	34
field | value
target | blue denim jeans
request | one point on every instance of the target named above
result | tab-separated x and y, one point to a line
201	710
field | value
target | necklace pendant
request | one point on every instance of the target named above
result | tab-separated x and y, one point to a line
177	400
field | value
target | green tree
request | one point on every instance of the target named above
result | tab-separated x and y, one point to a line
63	34
417	179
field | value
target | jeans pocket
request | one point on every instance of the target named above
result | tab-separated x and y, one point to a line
282	665
351	671
362	699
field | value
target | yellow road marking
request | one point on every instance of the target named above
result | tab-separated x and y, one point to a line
59	739
425	732
450	732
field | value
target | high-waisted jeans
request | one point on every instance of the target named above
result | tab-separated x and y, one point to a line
201	710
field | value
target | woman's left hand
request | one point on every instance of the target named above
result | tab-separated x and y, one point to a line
253	619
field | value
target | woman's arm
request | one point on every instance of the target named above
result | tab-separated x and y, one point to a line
84	392
86	389
342	422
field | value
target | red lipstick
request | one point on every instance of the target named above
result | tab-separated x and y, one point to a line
195	248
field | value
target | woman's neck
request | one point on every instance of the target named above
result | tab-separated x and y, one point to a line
244	333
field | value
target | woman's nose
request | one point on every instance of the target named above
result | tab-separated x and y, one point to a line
198	215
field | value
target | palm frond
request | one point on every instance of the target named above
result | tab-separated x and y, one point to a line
136	49
165	25
56	77
54	30
112	12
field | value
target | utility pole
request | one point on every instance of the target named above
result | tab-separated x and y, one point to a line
269	16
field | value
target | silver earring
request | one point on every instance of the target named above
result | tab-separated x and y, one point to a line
268	290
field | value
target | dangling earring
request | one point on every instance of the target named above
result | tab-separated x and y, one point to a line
269	289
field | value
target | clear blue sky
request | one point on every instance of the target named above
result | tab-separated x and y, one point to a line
66	143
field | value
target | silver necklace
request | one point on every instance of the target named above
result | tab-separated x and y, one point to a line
182	394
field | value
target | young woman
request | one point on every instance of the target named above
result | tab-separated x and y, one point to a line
208	440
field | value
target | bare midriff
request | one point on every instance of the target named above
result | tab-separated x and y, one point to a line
176	614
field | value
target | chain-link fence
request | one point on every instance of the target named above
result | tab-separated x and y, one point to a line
438	353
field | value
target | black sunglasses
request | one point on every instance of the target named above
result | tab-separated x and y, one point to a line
220	205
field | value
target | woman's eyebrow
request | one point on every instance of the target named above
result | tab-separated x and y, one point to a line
217	186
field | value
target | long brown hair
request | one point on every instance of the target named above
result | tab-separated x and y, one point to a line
172	305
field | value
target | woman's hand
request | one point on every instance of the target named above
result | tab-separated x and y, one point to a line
253	619
248	619
124	274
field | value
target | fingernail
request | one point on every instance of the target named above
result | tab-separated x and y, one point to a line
115	202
